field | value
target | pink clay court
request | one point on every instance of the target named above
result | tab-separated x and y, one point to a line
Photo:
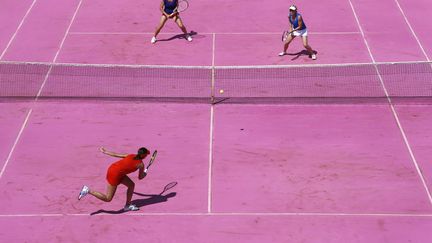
245	172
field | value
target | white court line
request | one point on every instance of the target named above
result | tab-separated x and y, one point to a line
33	215
58	50
35	100
67	30
210	165
362	33
395	115
412	30
18	29
16	142
213	48
234	214
211	33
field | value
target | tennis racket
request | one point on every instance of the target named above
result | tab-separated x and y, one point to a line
285	34
182	6
152	159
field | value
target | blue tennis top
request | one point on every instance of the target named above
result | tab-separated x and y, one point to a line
170	6
295	21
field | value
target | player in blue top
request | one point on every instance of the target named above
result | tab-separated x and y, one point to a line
169	11
297	27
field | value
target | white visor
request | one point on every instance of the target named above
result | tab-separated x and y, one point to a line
294	8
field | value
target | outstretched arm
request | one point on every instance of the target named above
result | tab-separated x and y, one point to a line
104	151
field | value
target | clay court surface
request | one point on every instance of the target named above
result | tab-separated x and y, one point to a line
293	150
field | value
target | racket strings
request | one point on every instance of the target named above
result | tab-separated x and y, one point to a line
182	6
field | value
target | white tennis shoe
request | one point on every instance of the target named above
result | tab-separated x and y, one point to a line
189	38
84	191
153	40
282	54
314	56
130	207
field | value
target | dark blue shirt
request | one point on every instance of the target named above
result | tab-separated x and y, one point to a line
295	22
170	6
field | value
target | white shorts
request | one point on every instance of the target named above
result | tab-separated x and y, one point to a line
301	33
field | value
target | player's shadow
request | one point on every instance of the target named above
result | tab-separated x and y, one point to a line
300	53
180	36
151	199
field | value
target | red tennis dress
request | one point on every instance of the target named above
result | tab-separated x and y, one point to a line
121	168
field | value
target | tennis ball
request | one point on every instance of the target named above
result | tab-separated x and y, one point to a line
221	91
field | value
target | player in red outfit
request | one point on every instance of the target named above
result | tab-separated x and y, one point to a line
117	174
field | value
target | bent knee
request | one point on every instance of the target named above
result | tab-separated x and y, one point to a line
109	197
129	184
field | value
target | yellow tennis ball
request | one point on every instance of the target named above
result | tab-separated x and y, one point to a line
221	91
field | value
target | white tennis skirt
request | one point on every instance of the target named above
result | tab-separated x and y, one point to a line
300	33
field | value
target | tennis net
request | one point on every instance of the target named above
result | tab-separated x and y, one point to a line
237	84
